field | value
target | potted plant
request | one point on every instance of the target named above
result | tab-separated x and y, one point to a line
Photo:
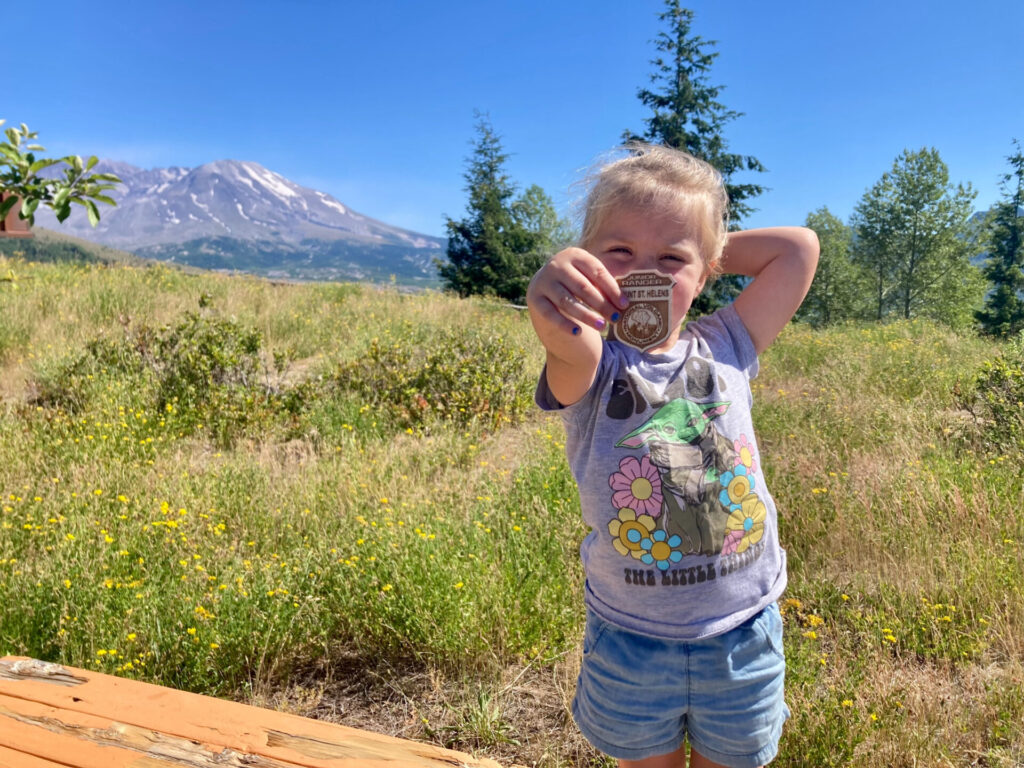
22	189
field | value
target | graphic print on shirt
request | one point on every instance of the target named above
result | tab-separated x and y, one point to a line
690	492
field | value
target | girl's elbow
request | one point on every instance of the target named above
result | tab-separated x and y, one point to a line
808	248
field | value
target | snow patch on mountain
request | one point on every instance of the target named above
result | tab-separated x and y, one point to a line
164	206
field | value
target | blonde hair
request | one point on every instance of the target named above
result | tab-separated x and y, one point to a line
667	179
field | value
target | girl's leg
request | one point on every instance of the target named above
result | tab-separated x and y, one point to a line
675	759
697	760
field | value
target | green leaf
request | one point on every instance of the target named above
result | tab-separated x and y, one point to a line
38	165
63	212
76	162
107	177
91	163
94	214
104	199
29	208
61	198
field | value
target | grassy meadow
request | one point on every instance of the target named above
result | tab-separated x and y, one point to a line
338	500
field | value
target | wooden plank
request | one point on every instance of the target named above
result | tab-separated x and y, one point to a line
11	758
96	742
277	737
66	738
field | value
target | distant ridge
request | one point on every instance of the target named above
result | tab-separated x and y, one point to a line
47	245
240	216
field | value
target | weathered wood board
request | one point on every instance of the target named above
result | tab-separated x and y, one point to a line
62	717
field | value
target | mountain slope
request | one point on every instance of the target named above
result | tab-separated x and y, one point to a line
240	216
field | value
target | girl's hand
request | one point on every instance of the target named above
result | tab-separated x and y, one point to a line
569	299
572	292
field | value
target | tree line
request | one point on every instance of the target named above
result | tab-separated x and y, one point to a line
912	248
915	248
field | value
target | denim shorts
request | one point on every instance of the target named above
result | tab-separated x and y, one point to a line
638	696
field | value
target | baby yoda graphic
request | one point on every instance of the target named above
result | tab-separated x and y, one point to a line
682	441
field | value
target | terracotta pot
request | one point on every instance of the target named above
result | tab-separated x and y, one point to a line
11	225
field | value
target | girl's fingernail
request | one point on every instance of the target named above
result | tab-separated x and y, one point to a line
575	330
624	301
615	317
599	324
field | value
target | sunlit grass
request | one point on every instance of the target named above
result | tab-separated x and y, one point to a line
140	541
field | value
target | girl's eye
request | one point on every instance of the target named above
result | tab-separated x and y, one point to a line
672	257
619	249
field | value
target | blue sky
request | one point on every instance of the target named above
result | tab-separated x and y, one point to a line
374	102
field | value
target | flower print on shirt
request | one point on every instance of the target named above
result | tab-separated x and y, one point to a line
637	485
745	453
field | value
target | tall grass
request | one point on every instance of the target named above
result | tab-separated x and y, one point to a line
327	516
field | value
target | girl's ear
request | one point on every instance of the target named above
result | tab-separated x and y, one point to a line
709	270
698	288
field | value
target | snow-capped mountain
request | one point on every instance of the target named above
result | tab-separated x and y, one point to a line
220	214
226	198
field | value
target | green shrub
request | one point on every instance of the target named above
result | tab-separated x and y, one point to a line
202	373
996	399
202	355
453	376
71	383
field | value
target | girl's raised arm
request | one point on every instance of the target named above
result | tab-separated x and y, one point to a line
782	261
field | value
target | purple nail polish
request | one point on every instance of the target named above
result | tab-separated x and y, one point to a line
599	324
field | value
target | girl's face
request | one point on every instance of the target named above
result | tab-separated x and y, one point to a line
631	239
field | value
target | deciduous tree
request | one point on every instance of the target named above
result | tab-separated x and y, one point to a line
841	289
913	235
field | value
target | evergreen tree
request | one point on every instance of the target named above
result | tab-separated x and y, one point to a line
503	241
1003	314
687	115
839	287
914	237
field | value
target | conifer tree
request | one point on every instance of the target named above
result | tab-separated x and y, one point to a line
687	115
504	240
1003	314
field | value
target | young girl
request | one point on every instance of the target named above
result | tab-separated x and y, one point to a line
684	638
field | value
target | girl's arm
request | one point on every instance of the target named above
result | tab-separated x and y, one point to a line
782	261
569	300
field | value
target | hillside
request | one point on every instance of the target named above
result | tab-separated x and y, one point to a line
339	500
50	246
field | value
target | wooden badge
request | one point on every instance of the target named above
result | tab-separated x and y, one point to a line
647	321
